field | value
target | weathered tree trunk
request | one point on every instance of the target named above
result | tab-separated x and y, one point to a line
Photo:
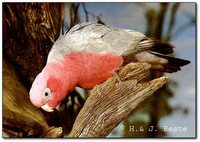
29	31
112	101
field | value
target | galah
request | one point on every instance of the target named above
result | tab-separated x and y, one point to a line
90	53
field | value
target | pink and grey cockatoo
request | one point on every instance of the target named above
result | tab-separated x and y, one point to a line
90	53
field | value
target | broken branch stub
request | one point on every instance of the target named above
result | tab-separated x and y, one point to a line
112	101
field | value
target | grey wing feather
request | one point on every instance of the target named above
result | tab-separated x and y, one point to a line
93	37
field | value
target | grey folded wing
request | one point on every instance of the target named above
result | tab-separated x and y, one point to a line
101	39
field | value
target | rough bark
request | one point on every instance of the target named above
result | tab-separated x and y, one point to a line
52	132
112	101
29	31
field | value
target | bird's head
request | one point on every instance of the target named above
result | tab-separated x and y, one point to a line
48	89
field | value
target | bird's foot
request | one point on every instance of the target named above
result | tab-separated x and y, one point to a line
117	77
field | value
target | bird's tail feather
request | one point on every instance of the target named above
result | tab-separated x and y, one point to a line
174	64
158	48
162	47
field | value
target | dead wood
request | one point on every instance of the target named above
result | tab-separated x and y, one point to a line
113	100
29	31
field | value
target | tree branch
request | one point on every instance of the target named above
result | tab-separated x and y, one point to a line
112	101
160	20
173	13
52	132
86	12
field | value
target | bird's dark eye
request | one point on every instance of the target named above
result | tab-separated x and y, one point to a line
46	93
